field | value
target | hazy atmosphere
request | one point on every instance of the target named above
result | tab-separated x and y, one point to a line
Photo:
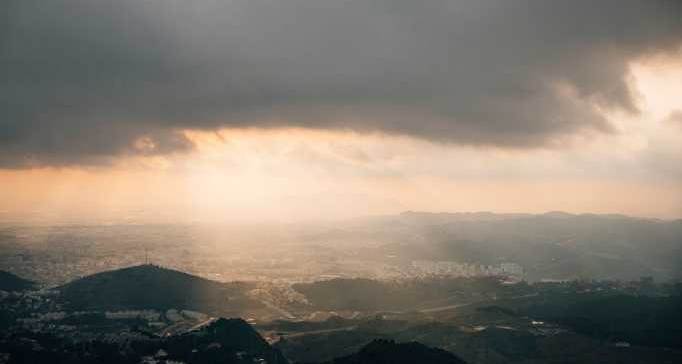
307	109
340	181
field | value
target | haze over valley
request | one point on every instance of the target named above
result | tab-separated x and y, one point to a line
340	181
550	246
488	287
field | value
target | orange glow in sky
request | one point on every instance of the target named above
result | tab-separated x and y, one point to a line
299	174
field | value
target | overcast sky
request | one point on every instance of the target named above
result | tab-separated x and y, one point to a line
397	93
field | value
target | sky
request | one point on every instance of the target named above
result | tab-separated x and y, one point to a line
318	109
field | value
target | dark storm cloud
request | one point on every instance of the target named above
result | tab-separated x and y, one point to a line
83	81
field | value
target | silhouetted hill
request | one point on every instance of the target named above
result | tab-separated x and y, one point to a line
10	282
647	321
389	352
153	287
223	341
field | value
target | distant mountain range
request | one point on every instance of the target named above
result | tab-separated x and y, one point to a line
153	287
10	282
554	245
488	215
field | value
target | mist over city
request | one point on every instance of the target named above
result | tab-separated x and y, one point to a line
340	181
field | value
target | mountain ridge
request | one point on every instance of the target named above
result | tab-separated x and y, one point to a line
490	215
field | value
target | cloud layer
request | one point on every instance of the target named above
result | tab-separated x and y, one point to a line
85	81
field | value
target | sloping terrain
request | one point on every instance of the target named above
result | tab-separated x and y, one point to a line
10	282
390	352
153	287
225	341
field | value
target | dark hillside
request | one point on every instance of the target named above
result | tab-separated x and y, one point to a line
10	282
374	295
223	340
389	352
641	320
153	287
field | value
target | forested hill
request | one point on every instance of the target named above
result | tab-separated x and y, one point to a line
153	287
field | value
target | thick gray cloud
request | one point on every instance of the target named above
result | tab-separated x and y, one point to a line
84	80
